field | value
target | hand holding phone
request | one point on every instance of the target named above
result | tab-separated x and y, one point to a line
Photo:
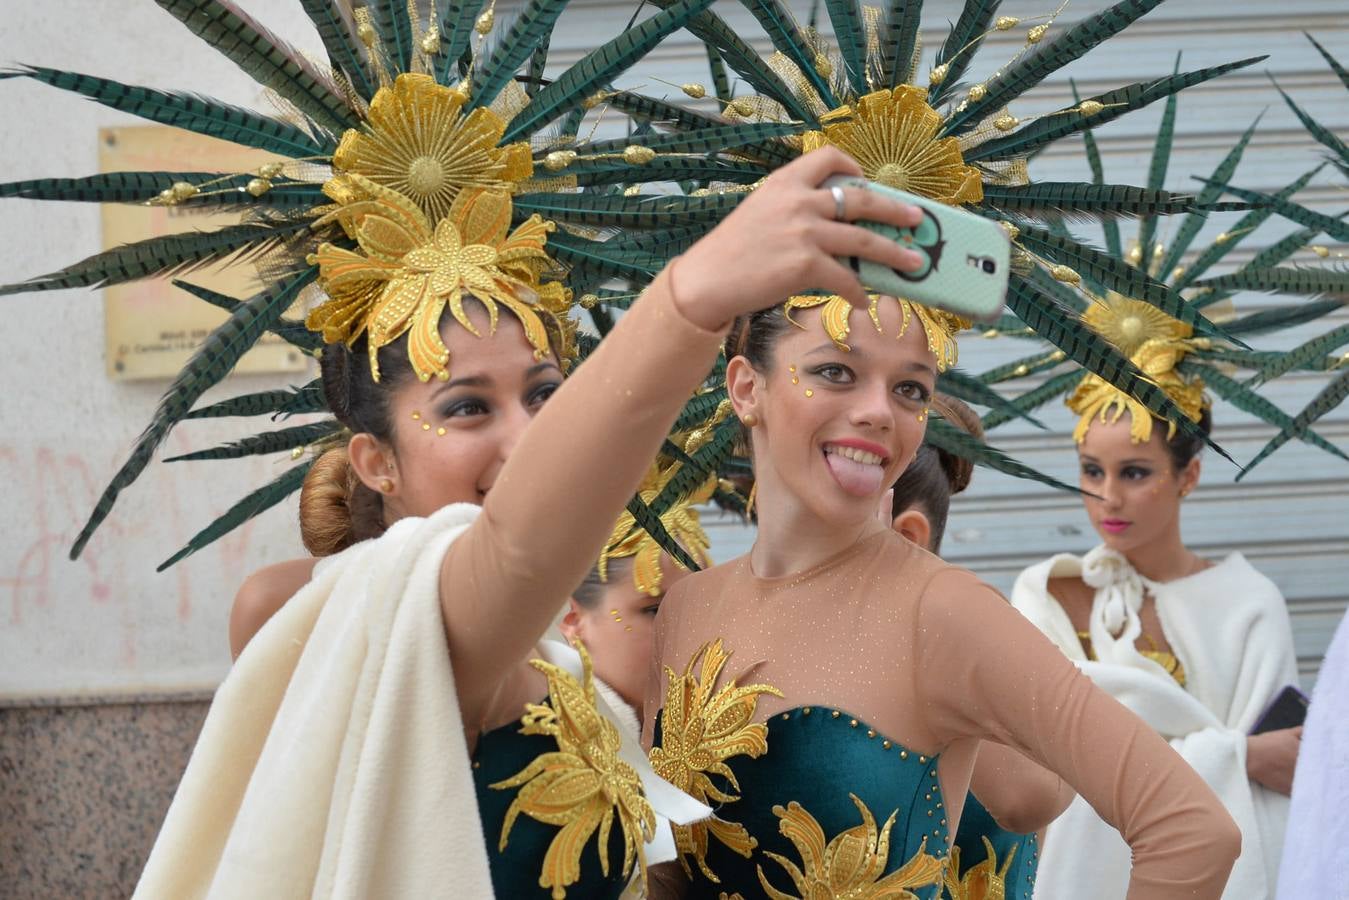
967	258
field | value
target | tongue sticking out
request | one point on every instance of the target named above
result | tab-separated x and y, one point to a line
858	479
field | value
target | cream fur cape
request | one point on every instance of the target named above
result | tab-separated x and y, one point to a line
1229	626
333	762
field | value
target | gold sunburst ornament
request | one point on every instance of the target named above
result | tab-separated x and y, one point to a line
1154	342
940	327
1129	324
583	786
701	728
418	142
893	136
850	866
407	272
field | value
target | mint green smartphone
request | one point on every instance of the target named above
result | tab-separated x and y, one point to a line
968	257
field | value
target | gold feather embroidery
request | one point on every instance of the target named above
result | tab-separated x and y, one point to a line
583	786
700	730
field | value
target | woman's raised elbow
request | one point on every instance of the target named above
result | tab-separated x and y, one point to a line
1227	836
1039	812
1218	839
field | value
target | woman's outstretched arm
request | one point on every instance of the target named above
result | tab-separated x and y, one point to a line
580	460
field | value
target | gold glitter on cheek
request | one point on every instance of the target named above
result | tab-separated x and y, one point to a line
441	431
795	380
416	415
809	392
426	427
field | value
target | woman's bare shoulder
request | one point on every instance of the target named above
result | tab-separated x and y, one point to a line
262	594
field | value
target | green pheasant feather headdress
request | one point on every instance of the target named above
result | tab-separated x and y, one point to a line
1166	349
937	136
413	117
1327	274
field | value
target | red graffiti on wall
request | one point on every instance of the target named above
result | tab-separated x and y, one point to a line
54	488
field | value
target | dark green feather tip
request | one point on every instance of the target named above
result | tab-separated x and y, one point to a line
289	439
257	502
212	361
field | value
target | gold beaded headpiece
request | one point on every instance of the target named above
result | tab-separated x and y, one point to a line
1154	342
407	272
939	326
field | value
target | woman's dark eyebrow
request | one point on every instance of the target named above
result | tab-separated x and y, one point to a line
484	381
542	367
923	367
466	381
827	345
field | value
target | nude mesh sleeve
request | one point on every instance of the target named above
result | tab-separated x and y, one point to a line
986	672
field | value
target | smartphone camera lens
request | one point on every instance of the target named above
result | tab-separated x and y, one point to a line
989	266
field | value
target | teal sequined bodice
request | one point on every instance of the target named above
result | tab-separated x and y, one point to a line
502	753
1014	861
832	802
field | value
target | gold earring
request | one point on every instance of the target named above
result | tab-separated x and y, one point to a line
749	420
1185	492
386	485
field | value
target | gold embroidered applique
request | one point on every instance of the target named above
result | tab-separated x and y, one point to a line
850	866
583	786
700	730
984	881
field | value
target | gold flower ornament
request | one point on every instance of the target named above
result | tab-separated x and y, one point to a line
418	142
850	866
681	523
939	326
984	881
702	727
406	272
583	786
1154	342
893	136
